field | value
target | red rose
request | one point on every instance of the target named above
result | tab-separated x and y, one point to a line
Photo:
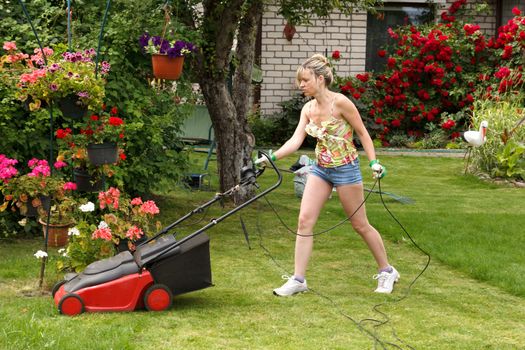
336	55
115	121
381	53
516	11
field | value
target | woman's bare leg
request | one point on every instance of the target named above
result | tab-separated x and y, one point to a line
315	194
351	196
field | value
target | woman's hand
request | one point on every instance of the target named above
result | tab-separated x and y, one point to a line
378	169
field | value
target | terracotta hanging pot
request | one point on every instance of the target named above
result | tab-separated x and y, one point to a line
289	31
57	233
165	67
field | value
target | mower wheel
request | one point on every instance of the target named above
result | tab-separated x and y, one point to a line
71	304
56	287
158	297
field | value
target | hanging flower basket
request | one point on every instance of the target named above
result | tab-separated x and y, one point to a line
70	106
102	153
165	67
85	182
57	233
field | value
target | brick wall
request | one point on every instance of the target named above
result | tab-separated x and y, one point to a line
280	57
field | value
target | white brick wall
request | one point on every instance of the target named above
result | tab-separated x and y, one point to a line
280	57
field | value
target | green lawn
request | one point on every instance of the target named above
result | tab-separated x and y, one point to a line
471	296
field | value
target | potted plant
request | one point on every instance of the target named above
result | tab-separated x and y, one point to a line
27	192
82	249
167	57
68	78
61	216
125	221
103	133
99	136
73	151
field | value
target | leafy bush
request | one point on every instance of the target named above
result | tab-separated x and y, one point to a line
502	154
431	69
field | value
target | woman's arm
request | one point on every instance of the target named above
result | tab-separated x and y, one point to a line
297	138
351	114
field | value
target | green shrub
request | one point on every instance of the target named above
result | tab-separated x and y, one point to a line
279	127
502	154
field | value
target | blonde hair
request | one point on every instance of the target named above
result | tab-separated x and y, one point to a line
319	65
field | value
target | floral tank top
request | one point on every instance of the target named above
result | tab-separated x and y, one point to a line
334	141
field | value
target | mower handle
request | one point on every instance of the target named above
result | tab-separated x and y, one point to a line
252	173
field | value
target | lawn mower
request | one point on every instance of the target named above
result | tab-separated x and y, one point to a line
160	268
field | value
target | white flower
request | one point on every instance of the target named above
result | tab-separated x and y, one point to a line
102	225
88	207
23	222
62	252
40	254
73	231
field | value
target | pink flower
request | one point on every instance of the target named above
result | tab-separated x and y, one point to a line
9	45
7	169
110	197
134	233
102	233
136	201
149	207
69	186
59	164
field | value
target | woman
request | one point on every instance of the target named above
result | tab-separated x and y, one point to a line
332	118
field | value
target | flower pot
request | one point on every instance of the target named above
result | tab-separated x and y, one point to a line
57	233
165	67
102	153
70	106
85	182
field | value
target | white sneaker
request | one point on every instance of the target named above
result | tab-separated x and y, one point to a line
291	287
385	281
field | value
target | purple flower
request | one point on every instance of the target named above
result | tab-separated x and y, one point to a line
105	67
54	67
53	87
143	40
83	94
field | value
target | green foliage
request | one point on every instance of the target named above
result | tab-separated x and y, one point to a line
502	153
511	161
82	250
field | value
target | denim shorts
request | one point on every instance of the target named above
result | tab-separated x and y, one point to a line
347	174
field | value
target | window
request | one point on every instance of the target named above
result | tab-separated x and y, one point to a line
390	16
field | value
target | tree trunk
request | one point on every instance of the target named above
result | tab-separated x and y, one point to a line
228	108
